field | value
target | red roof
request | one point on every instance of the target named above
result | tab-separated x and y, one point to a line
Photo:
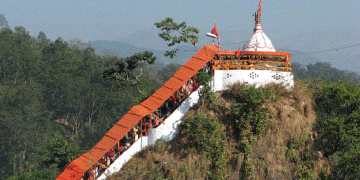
79	166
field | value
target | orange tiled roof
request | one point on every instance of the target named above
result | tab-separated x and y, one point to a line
77	168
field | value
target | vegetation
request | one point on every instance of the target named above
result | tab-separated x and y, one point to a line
204	135
176	34
324	71
3	22
123	73
338	106
58	99
55	103
261	133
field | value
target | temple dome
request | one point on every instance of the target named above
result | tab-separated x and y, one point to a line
259	41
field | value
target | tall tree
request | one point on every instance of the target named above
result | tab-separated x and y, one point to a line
60	152
176	34
3	22
124	72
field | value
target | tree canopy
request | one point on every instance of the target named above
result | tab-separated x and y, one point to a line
3	22
323	70
123	72
52	89
174	34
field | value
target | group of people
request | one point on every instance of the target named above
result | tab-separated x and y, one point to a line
155	119
175	100
113	153
141	129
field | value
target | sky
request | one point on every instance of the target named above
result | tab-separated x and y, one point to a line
304	25
90	20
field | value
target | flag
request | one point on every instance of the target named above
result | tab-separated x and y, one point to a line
238	52
214	30
259	10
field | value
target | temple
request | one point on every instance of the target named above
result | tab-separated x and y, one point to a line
258	63
158	116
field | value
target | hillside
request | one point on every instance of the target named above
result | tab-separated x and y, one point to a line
265	133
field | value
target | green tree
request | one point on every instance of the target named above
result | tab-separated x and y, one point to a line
168	71
176	34
47	86
323	70
43	41
18	58
60	152
124	72
22	113
338	106
349	165
3	22
299	71
36	175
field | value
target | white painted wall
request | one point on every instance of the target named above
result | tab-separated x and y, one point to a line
166	132
223	78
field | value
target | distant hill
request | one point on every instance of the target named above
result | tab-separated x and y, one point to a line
146	39
306	48
315	45
117	48
123	49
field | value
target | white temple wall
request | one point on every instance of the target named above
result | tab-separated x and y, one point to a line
166	132
224	78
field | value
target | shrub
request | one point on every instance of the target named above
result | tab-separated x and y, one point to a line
203	78
338	110
248	113
36	175
205	135
338	106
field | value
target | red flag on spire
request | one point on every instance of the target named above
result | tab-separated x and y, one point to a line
238	52
214	30
259	10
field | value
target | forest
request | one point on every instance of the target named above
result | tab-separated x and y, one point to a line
57	99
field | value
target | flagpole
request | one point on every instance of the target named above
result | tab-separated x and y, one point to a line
219	42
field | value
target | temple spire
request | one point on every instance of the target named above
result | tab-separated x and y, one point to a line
258	13
259	41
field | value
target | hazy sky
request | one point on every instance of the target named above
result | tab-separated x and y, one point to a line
115	19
